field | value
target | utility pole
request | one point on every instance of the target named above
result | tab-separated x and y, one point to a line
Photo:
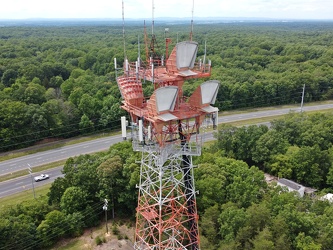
302	98
32	181
105	208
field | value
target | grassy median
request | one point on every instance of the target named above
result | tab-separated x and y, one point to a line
26	194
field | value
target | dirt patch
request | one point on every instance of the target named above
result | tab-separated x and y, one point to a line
123	240
115	245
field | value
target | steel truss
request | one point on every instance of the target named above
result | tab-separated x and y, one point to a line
166	214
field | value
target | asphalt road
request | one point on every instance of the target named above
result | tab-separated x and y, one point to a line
19	184
41	158
24	183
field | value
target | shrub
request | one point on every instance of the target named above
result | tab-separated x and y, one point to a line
98	241
115	229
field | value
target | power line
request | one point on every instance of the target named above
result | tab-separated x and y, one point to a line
285	98
66	228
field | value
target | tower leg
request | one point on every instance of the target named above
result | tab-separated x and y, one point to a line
166	213
191	202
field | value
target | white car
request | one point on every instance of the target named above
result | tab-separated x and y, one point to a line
41	177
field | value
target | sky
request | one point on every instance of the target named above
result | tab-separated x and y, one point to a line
280	9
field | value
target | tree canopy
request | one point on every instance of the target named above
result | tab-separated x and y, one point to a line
59	82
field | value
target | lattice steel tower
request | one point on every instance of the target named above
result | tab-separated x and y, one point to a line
165	128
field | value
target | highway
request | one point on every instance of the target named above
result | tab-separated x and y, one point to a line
24	183
62	153
16	164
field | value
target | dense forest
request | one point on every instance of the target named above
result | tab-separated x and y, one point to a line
298	147
238	209
59	81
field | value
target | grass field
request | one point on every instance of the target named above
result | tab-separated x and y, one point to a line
26	194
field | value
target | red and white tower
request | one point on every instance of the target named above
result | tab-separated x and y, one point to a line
166	129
